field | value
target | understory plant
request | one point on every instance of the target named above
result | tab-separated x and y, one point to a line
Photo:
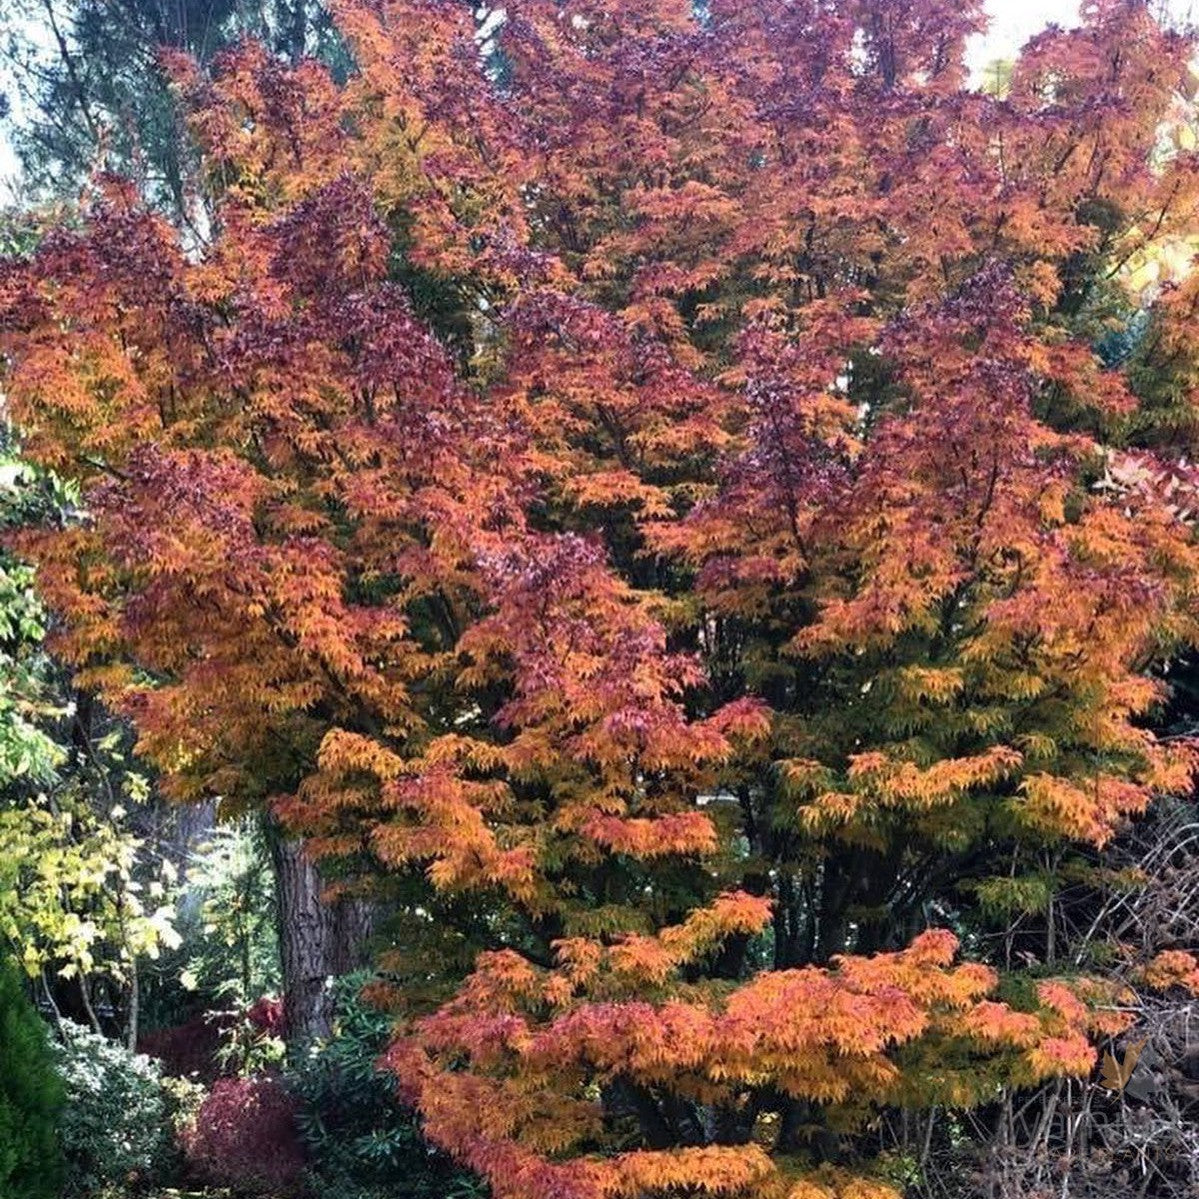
117	1131
360	1138
31	1097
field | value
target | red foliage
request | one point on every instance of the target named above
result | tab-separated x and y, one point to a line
266	1014
188	1050
245	1135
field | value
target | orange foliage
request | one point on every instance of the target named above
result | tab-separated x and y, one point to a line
639	471
1173	968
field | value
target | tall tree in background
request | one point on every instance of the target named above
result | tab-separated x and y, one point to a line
89	92
84	902
642	475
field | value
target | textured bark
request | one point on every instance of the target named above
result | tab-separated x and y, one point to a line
317	940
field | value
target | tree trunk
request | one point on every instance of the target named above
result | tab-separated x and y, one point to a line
317	940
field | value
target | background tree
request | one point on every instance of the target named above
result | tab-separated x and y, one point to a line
90	94
80	900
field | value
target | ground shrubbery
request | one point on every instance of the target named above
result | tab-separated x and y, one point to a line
116	1125
244	1136
329	1125
361	1141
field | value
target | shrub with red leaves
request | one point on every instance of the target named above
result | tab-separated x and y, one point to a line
266	1015
245	1136
188	1050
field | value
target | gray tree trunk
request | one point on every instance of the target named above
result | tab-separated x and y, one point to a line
318	940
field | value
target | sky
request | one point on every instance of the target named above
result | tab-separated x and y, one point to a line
1013	22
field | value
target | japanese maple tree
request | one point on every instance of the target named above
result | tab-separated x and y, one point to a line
642	473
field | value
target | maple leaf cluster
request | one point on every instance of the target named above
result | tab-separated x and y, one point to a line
642	472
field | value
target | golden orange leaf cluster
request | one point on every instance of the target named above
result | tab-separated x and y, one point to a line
642	475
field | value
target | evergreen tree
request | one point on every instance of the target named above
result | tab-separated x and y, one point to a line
30	1097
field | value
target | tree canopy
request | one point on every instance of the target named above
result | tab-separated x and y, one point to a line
648	476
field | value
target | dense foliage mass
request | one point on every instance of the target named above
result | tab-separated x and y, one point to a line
30	1098
649	477
83	87
82	897
244	1136
115	1126
360	1139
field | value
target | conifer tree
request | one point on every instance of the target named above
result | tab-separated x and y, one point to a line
30	1097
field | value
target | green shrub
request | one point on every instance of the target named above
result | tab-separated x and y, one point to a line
116	1126
360	1140
30	1098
